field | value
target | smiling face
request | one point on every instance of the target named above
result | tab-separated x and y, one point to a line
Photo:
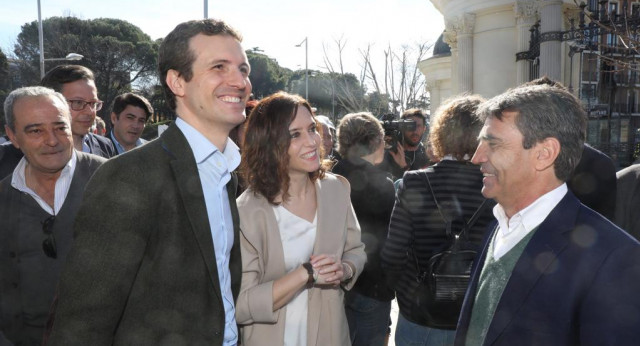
305	141
508	169
128	125
215	97
82	90
42	132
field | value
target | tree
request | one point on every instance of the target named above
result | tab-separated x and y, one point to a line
5	86
267	77
118	52
402	85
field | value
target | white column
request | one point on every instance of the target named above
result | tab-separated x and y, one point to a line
526	12
450	37
550	51
434	96
465	53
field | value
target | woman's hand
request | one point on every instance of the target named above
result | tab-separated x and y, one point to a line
330	271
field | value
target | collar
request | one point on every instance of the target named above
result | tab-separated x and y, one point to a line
202	148
531	216
119	148
19	182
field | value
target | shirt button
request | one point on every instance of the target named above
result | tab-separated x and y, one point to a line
12	254
15	285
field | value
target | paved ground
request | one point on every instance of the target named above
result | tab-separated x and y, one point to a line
394	319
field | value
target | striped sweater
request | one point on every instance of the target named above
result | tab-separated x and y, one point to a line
457	187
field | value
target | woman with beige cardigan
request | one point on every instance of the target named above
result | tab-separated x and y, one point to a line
300	238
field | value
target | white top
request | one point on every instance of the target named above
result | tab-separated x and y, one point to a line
19	182
512	230
298	237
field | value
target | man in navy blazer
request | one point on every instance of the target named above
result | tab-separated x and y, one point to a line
552	271
163	266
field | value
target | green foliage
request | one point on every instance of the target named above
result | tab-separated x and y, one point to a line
5	86
267	77
118	52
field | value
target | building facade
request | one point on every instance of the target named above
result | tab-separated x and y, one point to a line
489	46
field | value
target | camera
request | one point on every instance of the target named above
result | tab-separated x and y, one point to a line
393	129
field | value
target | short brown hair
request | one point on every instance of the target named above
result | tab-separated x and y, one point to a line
265	158
175	54
359	134
130	99
63	74
455	127
414	112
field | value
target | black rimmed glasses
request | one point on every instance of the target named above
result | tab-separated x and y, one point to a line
49	244
78	105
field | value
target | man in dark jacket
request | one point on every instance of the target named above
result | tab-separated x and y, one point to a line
38	205
78	86
163	266
552	271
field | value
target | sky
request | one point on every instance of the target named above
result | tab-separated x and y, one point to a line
274	26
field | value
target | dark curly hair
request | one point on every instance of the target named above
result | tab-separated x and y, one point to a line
265	158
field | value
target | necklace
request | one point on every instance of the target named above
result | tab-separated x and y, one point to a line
413	159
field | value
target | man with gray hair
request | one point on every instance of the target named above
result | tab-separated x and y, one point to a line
38	205
552	271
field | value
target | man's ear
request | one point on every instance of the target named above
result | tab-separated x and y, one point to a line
12	136
547	153
114	117
175	82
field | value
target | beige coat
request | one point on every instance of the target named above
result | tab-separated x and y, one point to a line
338	233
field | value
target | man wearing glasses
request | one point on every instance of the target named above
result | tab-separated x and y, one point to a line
78	86
38	205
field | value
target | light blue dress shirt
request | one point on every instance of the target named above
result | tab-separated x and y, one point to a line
119	148
214	168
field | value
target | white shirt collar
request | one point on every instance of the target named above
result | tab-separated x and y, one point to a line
512	230
202	148
19	182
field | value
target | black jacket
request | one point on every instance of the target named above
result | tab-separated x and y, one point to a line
99	145
372	197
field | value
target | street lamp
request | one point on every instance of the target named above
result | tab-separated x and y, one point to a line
306	66
70	56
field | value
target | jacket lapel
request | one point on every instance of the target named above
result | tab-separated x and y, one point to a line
189	186
545	245
235	260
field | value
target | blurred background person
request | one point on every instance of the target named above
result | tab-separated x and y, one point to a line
77	84
100	127
300	237
417	227
410	153
361	145
328	136
129	115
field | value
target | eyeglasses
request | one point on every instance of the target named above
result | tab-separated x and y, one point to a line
78	105
49	244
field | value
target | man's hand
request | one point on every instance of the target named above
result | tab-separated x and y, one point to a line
398	156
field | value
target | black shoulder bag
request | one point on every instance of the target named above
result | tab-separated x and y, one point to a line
443	283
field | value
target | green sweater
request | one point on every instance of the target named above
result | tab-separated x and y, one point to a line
493	279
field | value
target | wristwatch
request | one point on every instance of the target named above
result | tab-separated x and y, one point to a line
309	269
